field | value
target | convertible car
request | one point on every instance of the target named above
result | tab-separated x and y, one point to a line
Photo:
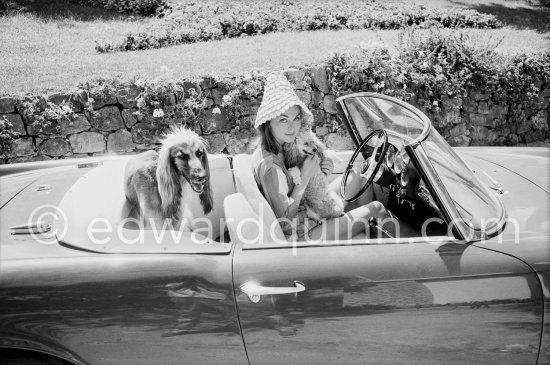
468	281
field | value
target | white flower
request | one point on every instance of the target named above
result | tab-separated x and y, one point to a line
67	109
435	103
216	110
158	113
226	99
296	175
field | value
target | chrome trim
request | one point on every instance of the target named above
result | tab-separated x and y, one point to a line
419	114
31	228
468	233
391	150
440	194
43	187
255	290
404	180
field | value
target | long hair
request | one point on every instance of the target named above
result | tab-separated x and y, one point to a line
169	178
267	139
168	182
206	197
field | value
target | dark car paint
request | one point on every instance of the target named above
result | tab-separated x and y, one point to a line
415	303
525	177
178	308
110	309
116	309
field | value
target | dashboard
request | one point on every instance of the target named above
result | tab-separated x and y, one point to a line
409	196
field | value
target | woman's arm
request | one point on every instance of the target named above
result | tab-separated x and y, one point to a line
276	189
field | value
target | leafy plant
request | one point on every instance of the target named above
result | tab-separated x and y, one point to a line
437	71
190	22
171	102
7	135
142	7
39	112
241	90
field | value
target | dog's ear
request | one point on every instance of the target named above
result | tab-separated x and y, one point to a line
291	154
168	184
206	195
317	142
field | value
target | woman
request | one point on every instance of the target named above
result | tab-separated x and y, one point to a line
279	118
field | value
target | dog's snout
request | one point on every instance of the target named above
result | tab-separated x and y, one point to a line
198	171
198	174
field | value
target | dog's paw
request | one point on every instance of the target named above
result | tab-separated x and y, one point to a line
332	155
296	175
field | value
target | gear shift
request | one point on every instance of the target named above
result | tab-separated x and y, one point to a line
373	223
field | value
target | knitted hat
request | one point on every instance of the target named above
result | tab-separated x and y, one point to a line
278	97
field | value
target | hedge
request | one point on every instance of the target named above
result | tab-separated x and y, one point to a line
438	71
213	20
141	7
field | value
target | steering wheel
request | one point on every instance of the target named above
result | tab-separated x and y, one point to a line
370	166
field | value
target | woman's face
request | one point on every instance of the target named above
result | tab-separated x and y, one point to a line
285	127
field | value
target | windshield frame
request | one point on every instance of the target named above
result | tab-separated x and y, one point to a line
354	132
470	233
452	216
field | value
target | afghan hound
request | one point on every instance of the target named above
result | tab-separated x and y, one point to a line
320	201
166	185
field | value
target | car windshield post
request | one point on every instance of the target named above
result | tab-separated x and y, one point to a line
478	208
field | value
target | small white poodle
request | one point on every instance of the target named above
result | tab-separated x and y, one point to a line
318	199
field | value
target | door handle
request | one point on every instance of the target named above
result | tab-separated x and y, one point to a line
255	290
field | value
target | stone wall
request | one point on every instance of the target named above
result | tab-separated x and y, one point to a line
111	123
482	121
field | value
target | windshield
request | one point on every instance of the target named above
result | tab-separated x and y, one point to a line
368	112
478	207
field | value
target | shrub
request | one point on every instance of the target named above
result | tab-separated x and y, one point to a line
241	90
209	20
142	7
539	2
435	72
161	101
7	135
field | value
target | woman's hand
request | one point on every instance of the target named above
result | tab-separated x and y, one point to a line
309	168
327	166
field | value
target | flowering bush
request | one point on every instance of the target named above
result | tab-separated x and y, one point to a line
242	91
437	71
190	22
7	135
35	110
142	7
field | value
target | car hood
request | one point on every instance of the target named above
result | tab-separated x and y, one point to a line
533	164
524	176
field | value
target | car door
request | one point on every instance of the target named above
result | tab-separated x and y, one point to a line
123	309
417	302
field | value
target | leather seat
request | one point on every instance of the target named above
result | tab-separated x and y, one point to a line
249	208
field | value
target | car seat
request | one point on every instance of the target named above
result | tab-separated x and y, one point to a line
247	212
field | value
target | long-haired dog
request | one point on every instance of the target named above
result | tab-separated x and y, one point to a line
164	185
318	199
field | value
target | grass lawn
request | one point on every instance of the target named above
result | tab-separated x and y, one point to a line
52	47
